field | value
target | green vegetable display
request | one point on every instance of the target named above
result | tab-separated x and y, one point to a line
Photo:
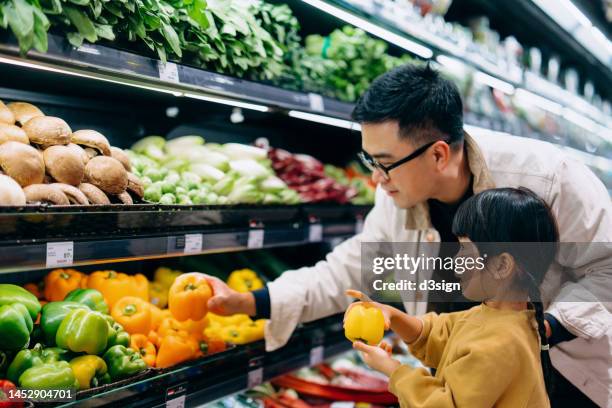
123	362
52	315
33	357
56	375
83	331
10	294
89	297
15	326
188	171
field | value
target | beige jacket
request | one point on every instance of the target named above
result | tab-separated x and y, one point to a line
584	213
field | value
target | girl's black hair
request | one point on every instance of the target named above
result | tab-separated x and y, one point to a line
496	218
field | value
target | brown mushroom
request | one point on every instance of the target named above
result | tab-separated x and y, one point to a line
125	198
22	162
23	112
120	155
107	174
12	132
135	185
80	151
94	194
48	131
75	196
6	116
92	139
45	193
11	192
64	164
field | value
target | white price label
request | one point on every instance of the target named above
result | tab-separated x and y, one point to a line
255	377
168	71
359	225
193	243
178	402
256	239
316	355
316	102
60	254
315	233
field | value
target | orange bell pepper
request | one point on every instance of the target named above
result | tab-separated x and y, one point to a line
142	344
188	296
214	344
115	285
157	316
170	326
34	289
134	314
154	338
175	349
60	282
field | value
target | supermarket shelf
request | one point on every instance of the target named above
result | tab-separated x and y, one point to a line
225	373
36	237
380	22
99	62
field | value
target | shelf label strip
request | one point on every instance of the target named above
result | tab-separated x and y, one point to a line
60	254
193	243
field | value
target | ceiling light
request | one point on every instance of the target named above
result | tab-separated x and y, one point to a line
326	120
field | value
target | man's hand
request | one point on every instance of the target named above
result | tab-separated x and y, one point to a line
226	301
378	357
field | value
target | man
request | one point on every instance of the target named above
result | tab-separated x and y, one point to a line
425	165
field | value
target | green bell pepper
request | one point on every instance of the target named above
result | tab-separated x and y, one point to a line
33	357
83	331
116	334
123	362
5	361
90	297
56	375
15	326
52	315
90	371
10	294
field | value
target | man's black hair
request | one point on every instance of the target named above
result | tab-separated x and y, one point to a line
419	98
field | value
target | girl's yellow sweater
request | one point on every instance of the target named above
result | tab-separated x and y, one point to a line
484	357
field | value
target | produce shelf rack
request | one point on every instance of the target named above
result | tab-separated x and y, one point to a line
102	234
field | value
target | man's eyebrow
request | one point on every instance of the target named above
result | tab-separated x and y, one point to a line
382	155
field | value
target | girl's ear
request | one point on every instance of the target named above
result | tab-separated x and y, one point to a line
502	266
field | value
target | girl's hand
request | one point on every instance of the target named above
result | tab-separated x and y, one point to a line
387	311
378	357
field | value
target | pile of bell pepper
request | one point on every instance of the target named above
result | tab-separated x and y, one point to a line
74	344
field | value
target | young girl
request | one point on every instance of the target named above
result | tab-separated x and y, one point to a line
490	355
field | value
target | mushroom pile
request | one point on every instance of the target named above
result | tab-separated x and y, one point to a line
43	161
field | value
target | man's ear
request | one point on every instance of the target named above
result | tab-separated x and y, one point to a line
441	152
502	266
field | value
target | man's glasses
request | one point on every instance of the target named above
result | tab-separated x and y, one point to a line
372	164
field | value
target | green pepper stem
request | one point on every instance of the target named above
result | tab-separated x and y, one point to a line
130	309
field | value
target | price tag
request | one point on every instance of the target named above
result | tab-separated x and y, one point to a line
359	226
255	377
193	243
316	102
256	239
176	395
315	233
168	71
316	355
60	254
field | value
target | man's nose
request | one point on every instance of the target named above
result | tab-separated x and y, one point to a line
378	177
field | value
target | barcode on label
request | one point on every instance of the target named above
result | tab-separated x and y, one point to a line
168	71
193	243
60	254
256	239
315	233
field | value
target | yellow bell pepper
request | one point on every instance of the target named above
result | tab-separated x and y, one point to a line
228	320
365	324
165	276
90	371
158	294
115	285
244	280
60	282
